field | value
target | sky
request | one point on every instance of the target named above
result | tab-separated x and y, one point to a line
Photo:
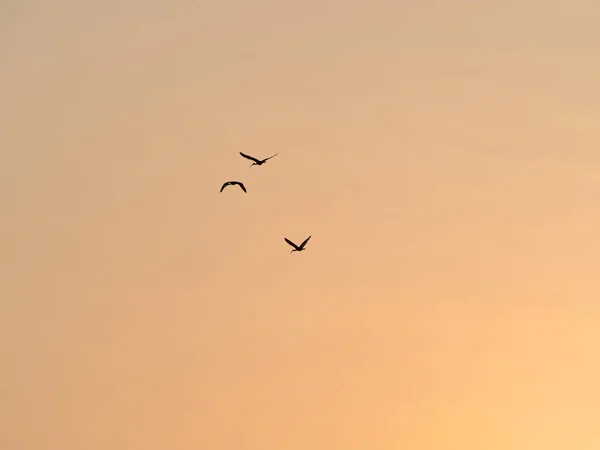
444	156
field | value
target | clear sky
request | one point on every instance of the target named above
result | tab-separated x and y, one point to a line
444	156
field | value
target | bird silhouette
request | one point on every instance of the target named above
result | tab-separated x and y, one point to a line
257	162
231	183
297	248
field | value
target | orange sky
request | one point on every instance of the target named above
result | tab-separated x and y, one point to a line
445	157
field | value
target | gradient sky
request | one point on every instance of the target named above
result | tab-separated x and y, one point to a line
445	157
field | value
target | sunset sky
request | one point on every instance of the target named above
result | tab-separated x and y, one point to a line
444	156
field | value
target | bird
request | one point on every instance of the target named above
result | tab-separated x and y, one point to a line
228	183
257	162
296	247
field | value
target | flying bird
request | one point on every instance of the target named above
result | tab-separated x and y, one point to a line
257	162
296	247
231	183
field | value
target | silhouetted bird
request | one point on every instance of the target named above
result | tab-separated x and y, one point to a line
257	162
296	247
231	183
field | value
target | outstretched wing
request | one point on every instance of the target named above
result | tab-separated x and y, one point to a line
242	186
249	157
266	159
291	243
224	186
305	241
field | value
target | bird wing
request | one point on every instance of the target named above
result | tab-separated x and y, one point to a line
266	159
249	157
224	186
305	241
242	186
291	243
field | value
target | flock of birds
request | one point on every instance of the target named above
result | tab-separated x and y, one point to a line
260	162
